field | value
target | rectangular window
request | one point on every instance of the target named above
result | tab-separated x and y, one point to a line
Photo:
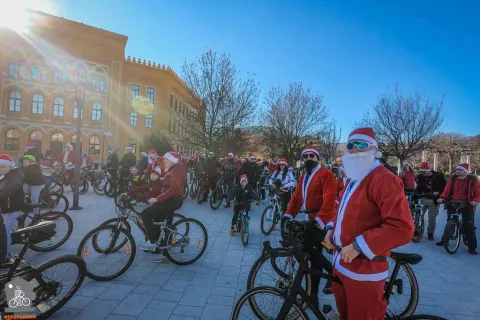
12	144
133	118
132	143
84	77
75	111
65	76
171	101
44	74
148	121
34	72
94	81
101	85
176	105
12	72
21	70
57	110
135	91
151	94
56	75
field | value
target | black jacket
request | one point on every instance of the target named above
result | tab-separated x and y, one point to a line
243	196
34	152
212	167
250	169
128	160
12	198
434	183
142	164
33	175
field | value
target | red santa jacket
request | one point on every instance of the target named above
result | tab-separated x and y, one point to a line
341	182
318	195
68	156
87	161
151	190
375	213
473	190
157	162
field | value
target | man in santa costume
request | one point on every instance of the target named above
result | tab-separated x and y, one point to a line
87	160
273	166
315	193
155	161
373	218
68	158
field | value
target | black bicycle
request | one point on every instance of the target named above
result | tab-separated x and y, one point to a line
202	189
272	213
220	193
286	297
454	229
50	201
405	286
416	208
193	184
51	289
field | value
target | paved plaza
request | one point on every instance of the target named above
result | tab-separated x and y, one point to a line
207	289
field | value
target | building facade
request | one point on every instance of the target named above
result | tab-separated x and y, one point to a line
125	98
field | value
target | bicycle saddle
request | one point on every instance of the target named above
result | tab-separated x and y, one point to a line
410	258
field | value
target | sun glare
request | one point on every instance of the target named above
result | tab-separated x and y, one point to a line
14	14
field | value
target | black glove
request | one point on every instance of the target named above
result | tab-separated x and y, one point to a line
284	225
313	235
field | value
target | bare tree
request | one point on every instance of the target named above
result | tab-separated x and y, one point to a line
329	141
405	125
450	147
293	118
220	100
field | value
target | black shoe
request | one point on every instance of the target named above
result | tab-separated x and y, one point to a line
473	251
439	243
430	236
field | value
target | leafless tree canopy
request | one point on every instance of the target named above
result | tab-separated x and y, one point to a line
329	141
225	101
293	119
405	125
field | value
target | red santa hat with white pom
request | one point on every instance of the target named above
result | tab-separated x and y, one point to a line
366	134
173	157
244	178
463	166
7	160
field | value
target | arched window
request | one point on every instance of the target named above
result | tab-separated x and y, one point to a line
133	118
57	137
12	69
15	103
148	121
34	72
12	140
58	107
37	104
97	112
36	135
94	145
75	111
84	77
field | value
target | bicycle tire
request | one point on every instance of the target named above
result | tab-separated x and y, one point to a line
262	224
256	267
97	189
83	186
112	222
419	230
132	253
204	230
56	187
414	292
446	236
185	191
217	190
193	189
200	193
110	188
52	216
56	197
79	262
244	232
422	317
248	296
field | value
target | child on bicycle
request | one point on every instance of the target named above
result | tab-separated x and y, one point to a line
242	194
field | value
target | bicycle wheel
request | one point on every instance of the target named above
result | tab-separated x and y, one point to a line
419	226
62	221
194	189
113	222
451	237
47	299
216	198
110	188
55	201
276	299
267	221
107	238
404	297
244	231
423	317
56	187
98	187
83	186
188	236
201	193
262	274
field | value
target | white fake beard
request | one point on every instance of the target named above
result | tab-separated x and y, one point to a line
358	165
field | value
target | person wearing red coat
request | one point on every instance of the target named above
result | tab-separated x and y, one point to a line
462	187
69	159
341	180
315	193
155	161
87	160
373	218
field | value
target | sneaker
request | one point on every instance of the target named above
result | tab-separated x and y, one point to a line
160	259
148	246
232	231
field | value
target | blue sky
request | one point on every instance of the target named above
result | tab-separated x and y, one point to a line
349	51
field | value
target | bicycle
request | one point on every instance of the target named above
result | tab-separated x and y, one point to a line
220	193
290	308
242	225
405	287
49	201
119	237
272	213
46	289
193	184
454	227
202	188
30	218
416	207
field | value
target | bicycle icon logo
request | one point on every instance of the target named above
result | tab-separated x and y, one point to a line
19	299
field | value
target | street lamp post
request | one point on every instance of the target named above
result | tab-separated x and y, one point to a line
80	100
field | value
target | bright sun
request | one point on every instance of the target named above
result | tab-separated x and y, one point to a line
14	14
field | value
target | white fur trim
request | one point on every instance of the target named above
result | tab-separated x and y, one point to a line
358	276
282	162
244	179
320	222
363	137
288	215
170	158
8	163
461	168
251	157
364	247
311	150
305	191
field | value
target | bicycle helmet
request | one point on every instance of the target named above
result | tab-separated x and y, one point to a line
30	158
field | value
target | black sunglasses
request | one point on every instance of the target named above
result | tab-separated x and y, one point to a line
309	155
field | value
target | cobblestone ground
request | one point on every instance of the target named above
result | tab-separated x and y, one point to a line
207	289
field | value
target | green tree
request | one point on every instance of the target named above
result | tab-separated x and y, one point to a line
157	141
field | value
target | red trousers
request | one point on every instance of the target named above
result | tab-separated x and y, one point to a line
359	300
70	175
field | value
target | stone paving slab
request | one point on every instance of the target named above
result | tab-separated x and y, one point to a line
208	289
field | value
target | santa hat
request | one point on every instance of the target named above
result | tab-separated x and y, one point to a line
251	156
69	146
133	169
406	163
424	167
157	171
230	155
312	149
172	156
259	161
275	162
128	149
152	151
85	153
29	145
463	166
6	159
243	178
282	161
368	135
335	165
